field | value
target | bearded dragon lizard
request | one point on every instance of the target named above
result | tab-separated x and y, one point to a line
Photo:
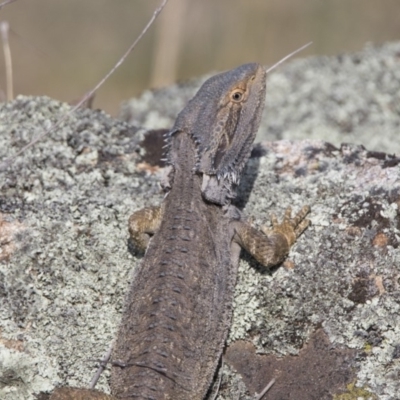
179	306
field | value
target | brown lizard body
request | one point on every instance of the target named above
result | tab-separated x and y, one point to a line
179	305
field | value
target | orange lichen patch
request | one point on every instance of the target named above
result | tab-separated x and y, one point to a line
17	345
288	264
144	166
336	220
353	231
8	230
379	283
327	371
380	240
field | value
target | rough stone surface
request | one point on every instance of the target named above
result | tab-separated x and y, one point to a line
65	262
347	98
65	265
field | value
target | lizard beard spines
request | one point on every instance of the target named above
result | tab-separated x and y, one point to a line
220	189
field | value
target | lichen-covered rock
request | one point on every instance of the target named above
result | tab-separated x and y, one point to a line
325	324
64	263
336	304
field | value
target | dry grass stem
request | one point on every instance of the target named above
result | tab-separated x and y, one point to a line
103	364
4	29
219	381
4	3
265	390
287	57
9	160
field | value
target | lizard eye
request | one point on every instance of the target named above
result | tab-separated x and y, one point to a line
237	95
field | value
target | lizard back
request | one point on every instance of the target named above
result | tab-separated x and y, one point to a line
178	308
176	316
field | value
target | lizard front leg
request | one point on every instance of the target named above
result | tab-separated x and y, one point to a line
270	247
144	223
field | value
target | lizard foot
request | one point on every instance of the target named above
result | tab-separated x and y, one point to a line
290	227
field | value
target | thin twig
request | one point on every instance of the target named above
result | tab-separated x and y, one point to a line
8	161
288	56
265	390
219	380
4	28
102	367
5	3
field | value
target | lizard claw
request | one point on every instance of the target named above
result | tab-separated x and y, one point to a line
302	224
291	228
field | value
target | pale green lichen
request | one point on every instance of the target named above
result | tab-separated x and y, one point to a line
355	393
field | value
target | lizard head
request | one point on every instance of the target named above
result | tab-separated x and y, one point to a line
223	119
